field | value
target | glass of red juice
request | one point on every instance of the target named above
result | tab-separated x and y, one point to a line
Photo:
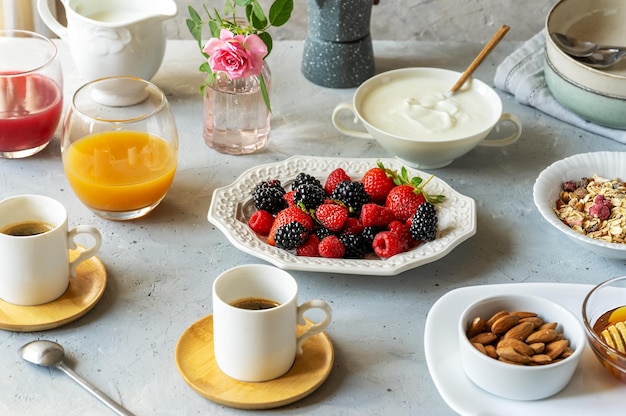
31	93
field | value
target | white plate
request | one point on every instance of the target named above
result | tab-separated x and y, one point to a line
232	206
591	390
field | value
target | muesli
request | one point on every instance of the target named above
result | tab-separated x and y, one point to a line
595	207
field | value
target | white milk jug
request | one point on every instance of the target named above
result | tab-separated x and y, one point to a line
113	37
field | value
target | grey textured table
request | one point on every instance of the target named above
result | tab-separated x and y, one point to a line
160	268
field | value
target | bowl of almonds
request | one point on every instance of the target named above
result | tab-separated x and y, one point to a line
520	347
604	317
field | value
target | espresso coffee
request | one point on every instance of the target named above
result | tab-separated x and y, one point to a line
27	228
255	304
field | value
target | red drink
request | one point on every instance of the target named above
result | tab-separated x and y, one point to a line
30	109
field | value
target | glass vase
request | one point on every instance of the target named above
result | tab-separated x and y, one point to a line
236	119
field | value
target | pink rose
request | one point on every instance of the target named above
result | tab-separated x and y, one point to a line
238	56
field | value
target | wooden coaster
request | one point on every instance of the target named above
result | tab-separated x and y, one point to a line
83	293
196	363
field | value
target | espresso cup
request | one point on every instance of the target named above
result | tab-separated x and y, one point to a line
255	319
34	249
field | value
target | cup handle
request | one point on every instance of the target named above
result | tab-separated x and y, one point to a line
87	253
346	130
505	141
43	7
316	328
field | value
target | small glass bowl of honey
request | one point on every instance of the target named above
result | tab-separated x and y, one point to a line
604	318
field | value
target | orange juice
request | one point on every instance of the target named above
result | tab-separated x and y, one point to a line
120	171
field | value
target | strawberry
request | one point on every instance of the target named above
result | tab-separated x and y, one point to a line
310	247
336	177
377	184
261	222
403	200
332	216
331	247
387	244
374	215
286	216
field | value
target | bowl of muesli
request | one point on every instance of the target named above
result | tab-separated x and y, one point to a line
584	196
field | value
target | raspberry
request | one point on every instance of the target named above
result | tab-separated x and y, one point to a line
403	232
288	197
261	222
336	177
352	226
331	216
310	247
377	184
424	223
387	244
403	201
374	215
331	247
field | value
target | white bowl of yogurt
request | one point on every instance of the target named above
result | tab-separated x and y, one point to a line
413	116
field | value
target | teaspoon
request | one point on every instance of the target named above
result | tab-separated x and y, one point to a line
51	354
603	58
579	48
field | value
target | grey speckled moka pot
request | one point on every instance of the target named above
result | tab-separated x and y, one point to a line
338	50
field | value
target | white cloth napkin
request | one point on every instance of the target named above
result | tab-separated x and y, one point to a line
521	74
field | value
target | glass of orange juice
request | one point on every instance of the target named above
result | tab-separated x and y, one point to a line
120	146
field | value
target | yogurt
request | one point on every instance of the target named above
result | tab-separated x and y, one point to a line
422	108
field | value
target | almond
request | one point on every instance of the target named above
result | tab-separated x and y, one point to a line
538	347
476	327
490	350
541	359
495	317
480	347
548	325
537	322
509	353
483	338
556	348
524	314
520	331
517	345
542	335
504	323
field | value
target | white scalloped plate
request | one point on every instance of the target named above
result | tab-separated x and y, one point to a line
546	190
232	206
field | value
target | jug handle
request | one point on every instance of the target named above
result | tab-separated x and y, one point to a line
43	7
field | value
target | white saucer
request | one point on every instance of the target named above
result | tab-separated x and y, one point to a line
592	389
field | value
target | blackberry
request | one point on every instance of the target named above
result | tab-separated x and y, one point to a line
305	178
290	236
322	232
269	196
309	195
355	246
369	233
352	194
424	223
